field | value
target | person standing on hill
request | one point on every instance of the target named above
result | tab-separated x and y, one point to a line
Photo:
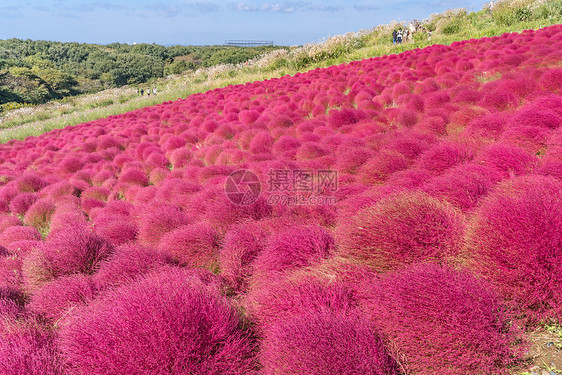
148	91
399	37
141	92
154	91
394	36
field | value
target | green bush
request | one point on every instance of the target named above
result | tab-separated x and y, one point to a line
452	27
522	14
551	11
508	13
101	103
456	24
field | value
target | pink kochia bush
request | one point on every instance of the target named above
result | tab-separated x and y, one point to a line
39	214
441	321
58	296
282	299
514	241
155	222
291	249
195	245
404	228
74	250
172	322
18	233
463	186
28	351
21	202
322	343
128	262
240	247
117	229
508	159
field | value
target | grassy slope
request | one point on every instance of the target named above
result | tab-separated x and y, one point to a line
376	42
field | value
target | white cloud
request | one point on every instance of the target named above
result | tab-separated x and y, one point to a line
283	7
365	7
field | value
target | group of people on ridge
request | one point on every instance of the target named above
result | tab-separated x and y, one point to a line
398	36
148	91
407	34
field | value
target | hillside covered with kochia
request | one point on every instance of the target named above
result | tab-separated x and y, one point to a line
408	221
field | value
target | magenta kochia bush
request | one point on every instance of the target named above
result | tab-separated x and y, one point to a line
117	229
30	182
134	176
8	221
508	159
378	168
21	202
514	240
155	222
65	252
129	262
167	323
240	247
322	343
28	351
552	80
39	214
282	299
55	298
405	228
541	117
291	249
195	245
464	185
445	155
18	233
442	321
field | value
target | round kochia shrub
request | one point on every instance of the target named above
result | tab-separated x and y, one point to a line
65	252
154	222
167	323
296	294
464	185
444	155
514	240
28	351
378	168
441	321
39	214
404	228
117	229
55	298
128	262
21	203
322	343
18	233
241	245
552	80
508	159
290	249
195	245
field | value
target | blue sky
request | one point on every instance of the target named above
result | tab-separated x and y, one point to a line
205	22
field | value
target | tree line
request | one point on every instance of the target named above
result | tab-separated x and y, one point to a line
35	72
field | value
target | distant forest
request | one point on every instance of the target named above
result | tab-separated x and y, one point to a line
35	72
